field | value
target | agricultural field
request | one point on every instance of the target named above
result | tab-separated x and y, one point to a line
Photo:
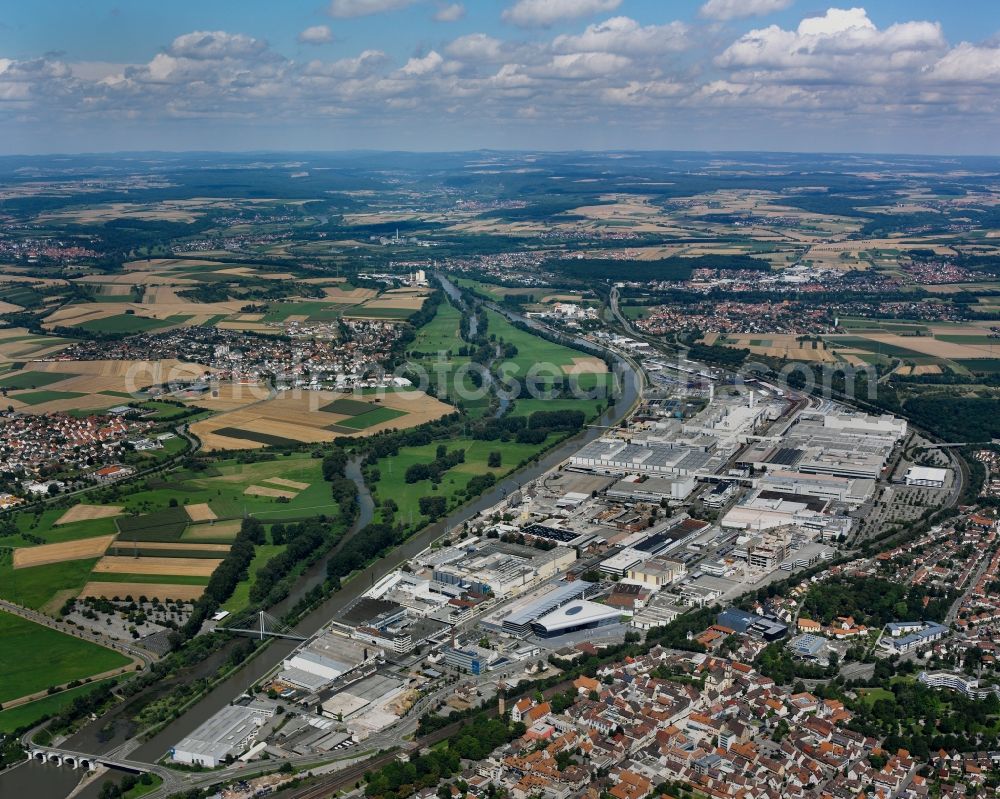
45	387
915	347
28	714
34	657
392	473
295	417
550	361
167	537
535	295
127	324
433	355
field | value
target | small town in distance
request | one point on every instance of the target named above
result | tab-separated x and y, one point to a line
544	399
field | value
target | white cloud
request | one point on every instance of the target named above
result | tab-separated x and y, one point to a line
475	47
640	93
365	8
840	45
363	65
210	45
967	63
626	36
738	9
316	34
586	65
94	70
542	13
449	12
423	66
829	68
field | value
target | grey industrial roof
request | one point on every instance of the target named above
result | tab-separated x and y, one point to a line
547	602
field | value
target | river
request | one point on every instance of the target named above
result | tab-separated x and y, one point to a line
49	781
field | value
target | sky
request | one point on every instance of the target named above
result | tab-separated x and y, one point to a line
891	76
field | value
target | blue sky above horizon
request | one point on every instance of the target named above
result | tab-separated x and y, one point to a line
883	76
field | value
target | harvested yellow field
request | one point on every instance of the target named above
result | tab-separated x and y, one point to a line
74	315
408	303
907	370
57	553
931	346
337	294
114	290
213	443
182	567
160	295
167	263
200	512
164	310
199	532
298	415
153	212
230	396
8	307
265	491
562	298
281	481
142	279
775	345
28	350
84	513
157	371
253	327
586	365
162	591
127	548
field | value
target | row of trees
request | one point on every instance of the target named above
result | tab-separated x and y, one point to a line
475	741
433	471
873	601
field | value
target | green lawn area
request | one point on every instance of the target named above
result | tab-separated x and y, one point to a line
441	333
392	473
34	657
130	323
592	408
29	714
241	596
363	312
222	486
245	434
980	365
860	343
38	397
634	311
348	407
871	695
139	789
35	586
163	410
488	289
538	356
429	352
955	338
44	525
370	418
31	379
